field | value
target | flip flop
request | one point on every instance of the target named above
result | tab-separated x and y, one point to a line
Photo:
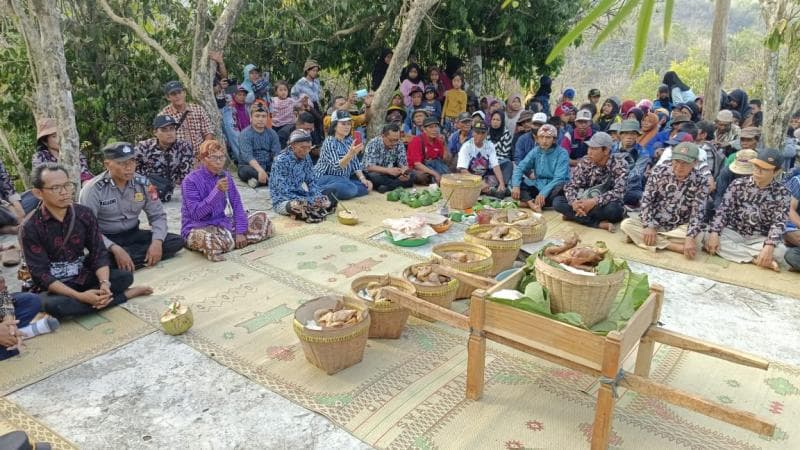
10	257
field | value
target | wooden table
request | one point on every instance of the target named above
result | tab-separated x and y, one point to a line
581	350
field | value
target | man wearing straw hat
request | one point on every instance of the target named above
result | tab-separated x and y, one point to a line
309	83
750	222
673	205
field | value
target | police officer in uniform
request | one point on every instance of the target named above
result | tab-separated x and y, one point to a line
117	197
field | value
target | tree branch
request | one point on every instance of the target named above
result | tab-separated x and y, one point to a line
21	170
139	31
491	39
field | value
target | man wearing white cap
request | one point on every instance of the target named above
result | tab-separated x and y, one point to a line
576	141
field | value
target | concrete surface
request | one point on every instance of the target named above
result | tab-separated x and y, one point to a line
158	393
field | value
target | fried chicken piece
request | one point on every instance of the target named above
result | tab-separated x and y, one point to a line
550	252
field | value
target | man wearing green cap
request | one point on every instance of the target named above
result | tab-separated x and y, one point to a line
749	224
637	159
673	205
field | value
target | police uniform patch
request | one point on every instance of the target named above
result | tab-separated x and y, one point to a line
139	197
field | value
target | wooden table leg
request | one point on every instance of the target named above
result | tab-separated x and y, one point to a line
644	356
604	411
476	347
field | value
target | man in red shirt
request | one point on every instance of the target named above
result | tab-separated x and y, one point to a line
426	155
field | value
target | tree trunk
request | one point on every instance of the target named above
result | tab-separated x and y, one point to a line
776	113
59	92
716	66
773	127
476	72
22	16
408	35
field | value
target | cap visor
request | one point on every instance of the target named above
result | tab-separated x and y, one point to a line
762	164
683	158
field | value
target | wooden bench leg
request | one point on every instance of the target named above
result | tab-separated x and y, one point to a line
603	417
476	346
476	364
604	411
644	357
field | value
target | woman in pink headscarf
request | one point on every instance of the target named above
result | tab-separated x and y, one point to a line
626	106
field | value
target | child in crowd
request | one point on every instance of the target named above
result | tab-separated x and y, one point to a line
434	79
414	80
414	128
430	103
282	106
455	102
397	99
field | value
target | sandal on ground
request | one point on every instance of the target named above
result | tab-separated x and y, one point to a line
10	257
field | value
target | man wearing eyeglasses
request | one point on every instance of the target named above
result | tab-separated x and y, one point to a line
385	161
65	253
117	198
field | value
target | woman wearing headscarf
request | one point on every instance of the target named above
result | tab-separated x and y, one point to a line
379	71
737	101
626	106
414	80
635	114
543	93
609	114
513	108
500	137
678	90
649	129
662	99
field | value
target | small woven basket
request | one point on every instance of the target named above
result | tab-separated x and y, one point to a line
336	349
504	252
481	266
462	189
530	233
589	296
438	295
387	319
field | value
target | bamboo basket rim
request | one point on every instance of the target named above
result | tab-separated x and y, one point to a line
450	286
461	180
586	280
383	307
330	335
471	247
492	244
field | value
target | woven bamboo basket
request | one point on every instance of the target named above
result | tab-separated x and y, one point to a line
530	233
481	266
438	295
462	189
591	297
336	349
504	252
387	319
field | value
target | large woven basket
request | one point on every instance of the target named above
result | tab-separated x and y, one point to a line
387	319
481	266
589	296
462	189
438	295
530	233
504	252
332	350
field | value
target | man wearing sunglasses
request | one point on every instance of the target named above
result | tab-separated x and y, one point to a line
117	198
65	253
